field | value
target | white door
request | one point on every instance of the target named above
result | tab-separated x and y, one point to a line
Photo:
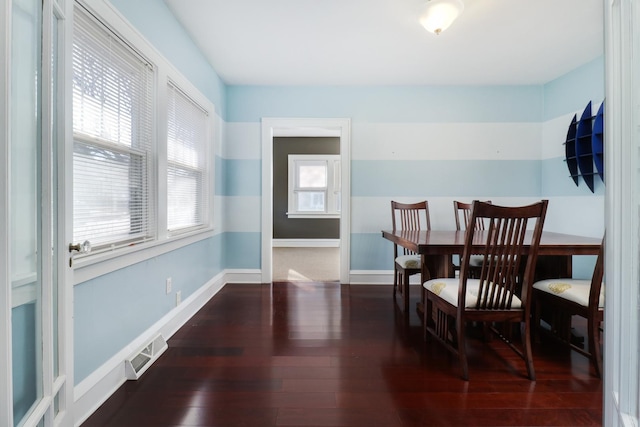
622	177
38	390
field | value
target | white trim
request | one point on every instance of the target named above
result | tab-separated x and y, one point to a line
273	126
622	65
377	277
92	267
243	276
94	390
306	243
6	385
65	222
312	216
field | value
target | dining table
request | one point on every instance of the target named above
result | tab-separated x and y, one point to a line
438	247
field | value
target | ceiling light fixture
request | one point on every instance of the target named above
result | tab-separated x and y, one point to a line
440	14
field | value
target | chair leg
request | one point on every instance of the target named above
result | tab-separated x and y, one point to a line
427	314
395	280
527	353
594	346
462	350
406	294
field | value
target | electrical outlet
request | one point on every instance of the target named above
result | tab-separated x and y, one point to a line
178	298
169	285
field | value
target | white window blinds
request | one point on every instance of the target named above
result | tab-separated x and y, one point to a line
112	125
186	161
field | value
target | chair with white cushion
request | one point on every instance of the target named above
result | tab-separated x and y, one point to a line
560	299
408	217
500	295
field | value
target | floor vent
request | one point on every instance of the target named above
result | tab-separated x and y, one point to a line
140	361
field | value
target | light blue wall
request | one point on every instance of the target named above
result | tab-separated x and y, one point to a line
113	310
400	104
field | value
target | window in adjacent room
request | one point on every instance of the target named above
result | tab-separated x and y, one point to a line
314	186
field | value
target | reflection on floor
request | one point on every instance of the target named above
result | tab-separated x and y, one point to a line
306	264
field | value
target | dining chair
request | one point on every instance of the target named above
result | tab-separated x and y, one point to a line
462	214
497	296
409	217
557	300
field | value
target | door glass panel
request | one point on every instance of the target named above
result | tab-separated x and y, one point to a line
26	214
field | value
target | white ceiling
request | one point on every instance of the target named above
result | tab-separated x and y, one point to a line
381	42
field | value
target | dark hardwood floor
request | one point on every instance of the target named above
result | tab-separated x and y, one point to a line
322	354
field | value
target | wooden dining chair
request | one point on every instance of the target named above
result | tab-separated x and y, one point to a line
557	300
497	296
409	217
462	214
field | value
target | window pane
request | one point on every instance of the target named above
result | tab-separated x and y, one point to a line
183	198
107	196
112	123
186	154
311	201
312	176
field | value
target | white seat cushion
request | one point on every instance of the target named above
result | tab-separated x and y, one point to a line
408	261
575	290
447	289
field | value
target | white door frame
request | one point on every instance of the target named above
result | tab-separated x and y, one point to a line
622	201
57	392
314	128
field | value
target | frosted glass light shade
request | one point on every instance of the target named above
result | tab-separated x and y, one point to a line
440	14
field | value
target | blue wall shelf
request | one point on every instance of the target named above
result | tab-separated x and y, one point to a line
584	146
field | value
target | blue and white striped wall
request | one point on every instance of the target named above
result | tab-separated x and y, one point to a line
503	143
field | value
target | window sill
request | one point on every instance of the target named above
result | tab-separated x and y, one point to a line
315	215
91	266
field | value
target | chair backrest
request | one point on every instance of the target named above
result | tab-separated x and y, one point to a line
410	217
464	210
503	246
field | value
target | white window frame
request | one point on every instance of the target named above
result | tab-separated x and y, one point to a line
332	190
89	266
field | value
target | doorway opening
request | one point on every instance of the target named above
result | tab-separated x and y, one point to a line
314	128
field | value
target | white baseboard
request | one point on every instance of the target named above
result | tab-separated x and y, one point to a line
243	276
377	277
94	390
306	243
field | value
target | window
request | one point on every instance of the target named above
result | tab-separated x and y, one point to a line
112	131
186	161
314	186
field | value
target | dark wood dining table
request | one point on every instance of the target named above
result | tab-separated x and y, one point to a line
438	247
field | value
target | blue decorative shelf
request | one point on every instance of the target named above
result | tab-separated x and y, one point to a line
584	146
597	141
570	150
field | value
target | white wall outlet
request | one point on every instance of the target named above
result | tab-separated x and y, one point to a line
178	298
169	283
